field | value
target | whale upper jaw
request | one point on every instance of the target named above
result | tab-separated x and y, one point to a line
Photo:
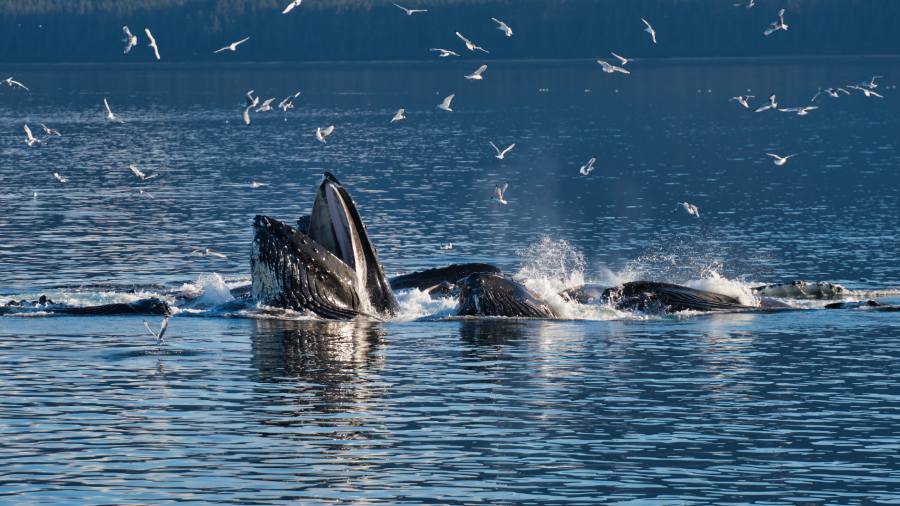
331	268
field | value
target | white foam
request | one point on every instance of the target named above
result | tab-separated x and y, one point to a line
213	290
415	304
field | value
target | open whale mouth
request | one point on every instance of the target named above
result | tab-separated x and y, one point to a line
328	265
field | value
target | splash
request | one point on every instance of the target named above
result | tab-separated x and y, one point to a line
212	289
554	263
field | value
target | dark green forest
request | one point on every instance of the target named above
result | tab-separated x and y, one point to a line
335	30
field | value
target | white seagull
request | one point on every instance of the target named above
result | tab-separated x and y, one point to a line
499	191
588	167
866	91
251	103
776	25
233	46
872	84
471	46
266	105
410	12
444	52
162	330
501	154
503	27
140	175
9	81
773	104
621	59
290	6
832	92
210	253
611	69
111	116
130	39
323	133
650	30
477	74
29	139
288	103
780	160
691	209
51	131
61	179
445	105
742	99
801	111
152	43
399	116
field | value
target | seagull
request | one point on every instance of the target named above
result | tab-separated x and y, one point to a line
832	92
503	27
266	105
444	52
162	330
140	175
773	104
501	154
130	39
323	133
471	46
872	84
148	194
690	208
445	105
776	25
866	91
288	103
209	252
255	184
109	114
251	103
29	139
51	131
749	5
622	59
801	111
447	246
477	74
152	42
59	178
9	81
611	69
410	12
498	193
233	46
650	30
742	100
400	115
588	167
780	160
290	6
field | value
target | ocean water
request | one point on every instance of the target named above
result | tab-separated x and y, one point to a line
602	406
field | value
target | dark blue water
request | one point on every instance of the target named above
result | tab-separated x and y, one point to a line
795	407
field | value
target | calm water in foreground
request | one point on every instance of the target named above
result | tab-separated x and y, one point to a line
792	407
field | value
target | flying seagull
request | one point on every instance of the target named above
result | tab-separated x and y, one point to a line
872	84
323	133
866	91
742	99
471	46
266	105
501	154
801	111
780	160
650	30
209	253
776	25
444	52
610	69
773	104
690	208
622	59
410	12
288	103
61	179
233	46
130	39
140	175
152	43
477	74
290	6
51	131
503	27
445	105
109	114
9	81
251	103
499	191
588	167
399	116
29	139
162	330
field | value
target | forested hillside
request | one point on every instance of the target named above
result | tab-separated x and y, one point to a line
189	30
